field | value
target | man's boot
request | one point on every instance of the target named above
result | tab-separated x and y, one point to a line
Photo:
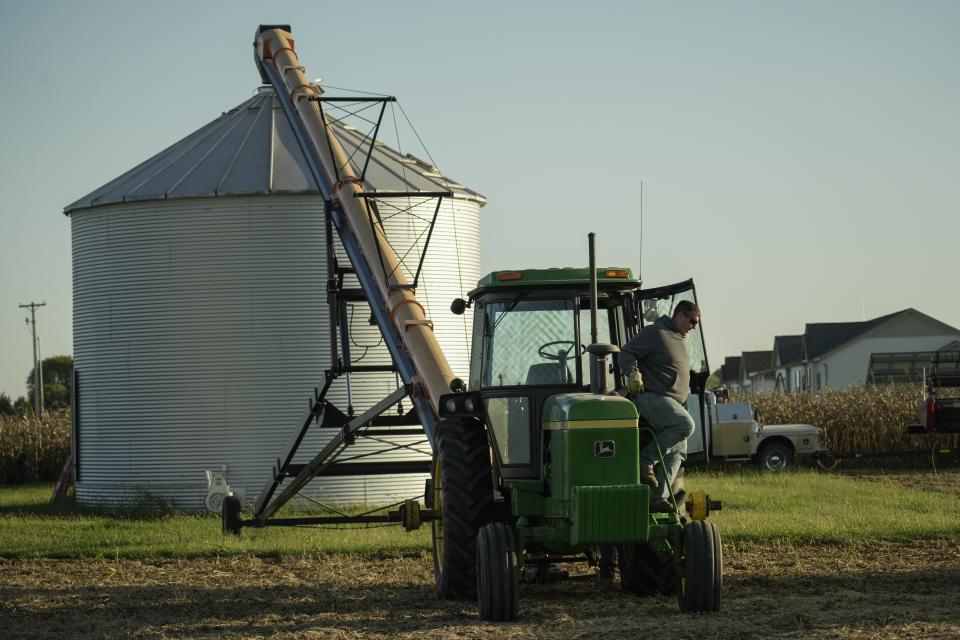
648	476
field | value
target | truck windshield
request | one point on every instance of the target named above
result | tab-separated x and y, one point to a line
529	342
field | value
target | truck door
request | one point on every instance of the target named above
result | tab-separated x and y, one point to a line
648	306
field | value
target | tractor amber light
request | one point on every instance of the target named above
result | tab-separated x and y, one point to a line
618	273
504	276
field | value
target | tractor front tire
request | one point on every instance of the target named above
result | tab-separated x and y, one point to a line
643	572
702	578
463	501
498	573
775	456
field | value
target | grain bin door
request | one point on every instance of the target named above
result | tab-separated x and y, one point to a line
661	301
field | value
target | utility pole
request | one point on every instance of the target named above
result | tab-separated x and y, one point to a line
37	379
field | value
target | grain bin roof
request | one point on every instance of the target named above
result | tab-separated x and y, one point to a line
251	150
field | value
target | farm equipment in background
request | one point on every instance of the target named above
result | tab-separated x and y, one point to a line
535	461
937	413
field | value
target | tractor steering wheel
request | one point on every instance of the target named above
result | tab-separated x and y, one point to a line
556	357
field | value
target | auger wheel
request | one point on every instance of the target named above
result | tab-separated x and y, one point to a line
463	498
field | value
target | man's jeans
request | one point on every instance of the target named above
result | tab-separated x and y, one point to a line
673	426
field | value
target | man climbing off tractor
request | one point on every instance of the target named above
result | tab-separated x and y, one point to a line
656	365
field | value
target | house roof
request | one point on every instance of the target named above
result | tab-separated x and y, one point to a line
730	369
754	361
823	337
788	349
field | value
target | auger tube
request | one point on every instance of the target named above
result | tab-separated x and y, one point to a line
274	47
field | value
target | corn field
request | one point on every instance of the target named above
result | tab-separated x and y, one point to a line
33	449
854	420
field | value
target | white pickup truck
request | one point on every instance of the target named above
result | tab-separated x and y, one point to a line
735	433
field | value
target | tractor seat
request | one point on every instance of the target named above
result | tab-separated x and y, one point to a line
548	373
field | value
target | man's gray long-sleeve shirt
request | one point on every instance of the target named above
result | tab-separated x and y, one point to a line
660	354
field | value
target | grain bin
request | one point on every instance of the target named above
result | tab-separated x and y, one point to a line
200	318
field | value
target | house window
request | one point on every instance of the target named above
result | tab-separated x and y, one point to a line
818	381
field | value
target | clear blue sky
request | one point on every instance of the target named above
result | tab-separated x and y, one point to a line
799	160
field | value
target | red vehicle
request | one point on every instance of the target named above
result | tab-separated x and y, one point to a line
940	414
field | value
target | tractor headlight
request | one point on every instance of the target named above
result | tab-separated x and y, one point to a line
459	404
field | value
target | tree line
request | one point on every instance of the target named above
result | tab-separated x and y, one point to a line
57	386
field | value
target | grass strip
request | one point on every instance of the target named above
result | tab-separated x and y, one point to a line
789	508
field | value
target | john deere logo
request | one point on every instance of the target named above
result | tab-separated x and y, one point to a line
604	449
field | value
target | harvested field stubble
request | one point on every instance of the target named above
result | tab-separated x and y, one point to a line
863	591
854	420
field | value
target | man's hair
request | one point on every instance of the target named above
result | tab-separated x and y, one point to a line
687	308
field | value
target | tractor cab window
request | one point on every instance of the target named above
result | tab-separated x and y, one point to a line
528	346
610	330
529	342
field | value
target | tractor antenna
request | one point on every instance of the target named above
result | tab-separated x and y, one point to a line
640	259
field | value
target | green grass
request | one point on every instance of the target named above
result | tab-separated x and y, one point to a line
32	528
808	506
798	507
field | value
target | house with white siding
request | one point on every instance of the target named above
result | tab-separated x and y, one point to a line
895	348
845	354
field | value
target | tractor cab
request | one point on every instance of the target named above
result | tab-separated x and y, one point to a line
531	333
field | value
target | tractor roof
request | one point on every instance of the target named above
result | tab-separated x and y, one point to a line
619	277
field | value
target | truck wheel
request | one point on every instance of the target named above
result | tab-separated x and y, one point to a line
230	514
702	576
775	456
498	573
463	500
644	573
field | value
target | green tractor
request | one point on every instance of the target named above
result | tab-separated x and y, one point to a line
537	462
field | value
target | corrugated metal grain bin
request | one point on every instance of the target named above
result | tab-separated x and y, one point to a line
200	321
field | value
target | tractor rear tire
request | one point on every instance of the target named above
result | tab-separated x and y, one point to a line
702	578
463	500
498	573
644	573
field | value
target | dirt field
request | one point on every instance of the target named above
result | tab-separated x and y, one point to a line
873	590
880	590
945	481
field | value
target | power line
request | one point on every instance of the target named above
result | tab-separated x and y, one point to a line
37	369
